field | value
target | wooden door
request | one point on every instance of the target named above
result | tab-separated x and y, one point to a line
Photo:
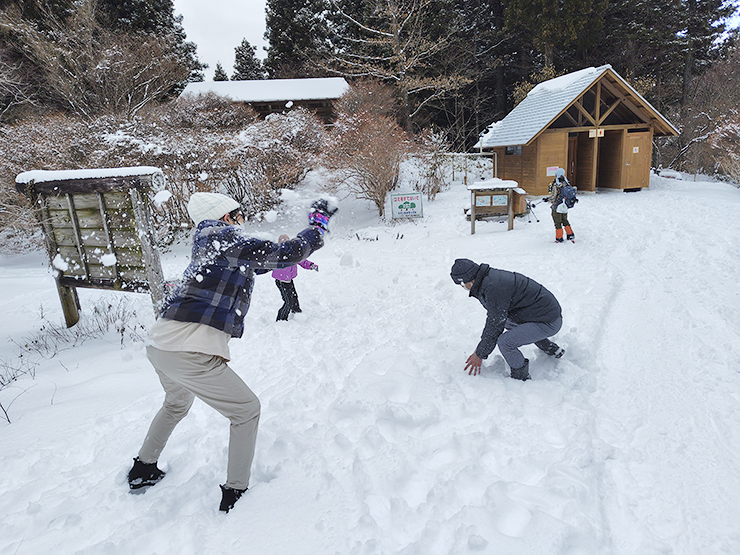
570	170
637	160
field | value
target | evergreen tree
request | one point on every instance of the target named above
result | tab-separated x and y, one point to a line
246	65
142	16
220	74
153	17
555	26
702	33
296	32
485	54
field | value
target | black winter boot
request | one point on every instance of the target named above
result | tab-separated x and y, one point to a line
521	373
229	497
550	348
144	475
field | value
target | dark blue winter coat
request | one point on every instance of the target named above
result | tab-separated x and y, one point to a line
509	295
217	285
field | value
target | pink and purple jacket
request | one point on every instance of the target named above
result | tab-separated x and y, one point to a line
287	274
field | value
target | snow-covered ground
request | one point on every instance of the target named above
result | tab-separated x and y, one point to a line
372	439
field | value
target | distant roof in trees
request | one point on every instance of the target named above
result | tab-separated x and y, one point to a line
549	100
273	90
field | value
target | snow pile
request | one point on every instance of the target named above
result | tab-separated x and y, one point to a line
373	439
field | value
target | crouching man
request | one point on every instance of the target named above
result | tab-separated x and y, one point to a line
520	312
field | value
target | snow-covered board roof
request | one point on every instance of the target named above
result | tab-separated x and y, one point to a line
44	176
273	90
548	100
495	183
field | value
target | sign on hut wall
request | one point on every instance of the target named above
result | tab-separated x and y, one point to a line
97	229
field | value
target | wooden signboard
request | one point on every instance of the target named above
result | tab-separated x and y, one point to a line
496	197
97	229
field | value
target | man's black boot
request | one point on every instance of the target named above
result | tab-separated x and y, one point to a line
229	497
143	475
521	373
550	348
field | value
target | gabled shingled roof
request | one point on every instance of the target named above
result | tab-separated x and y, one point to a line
550	100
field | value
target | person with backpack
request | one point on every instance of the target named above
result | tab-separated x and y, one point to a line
188	344
562	197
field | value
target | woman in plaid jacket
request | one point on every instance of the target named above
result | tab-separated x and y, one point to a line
188	344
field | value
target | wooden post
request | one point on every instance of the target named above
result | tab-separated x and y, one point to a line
70	304
67	295
149	250
472	212
510	203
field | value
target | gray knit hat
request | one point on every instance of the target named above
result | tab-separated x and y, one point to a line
463	271
210	206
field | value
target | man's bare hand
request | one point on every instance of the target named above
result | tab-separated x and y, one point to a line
473	365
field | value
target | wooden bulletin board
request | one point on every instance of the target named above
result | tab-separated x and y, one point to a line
97	229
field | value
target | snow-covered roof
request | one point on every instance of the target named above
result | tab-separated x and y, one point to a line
43	176
494	183
273	90
546	102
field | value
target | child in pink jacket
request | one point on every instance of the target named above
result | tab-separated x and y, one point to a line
284	281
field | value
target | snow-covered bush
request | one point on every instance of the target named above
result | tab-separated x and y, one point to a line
725	142
365	153
432	148
44	142
371	97
203	111
201	144
273	154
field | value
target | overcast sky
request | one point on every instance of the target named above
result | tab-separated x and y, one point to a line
219	26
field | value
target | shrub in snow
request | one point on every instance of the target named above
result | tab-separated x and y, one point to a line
725	143
371	97
52	142
272	155
431	161
203	111
89	69
202	144
365	153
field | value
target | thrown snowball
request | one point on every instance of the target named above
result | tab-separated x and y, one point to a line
108	259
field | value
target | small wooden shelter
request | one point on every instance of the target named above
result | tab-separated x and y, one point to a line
97	230
591	122
269	96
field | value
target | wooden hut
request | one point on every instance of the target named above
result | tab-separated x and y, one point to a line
591	122
269	96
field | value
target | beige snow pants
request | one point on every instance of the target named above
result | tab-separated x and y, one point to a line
186	375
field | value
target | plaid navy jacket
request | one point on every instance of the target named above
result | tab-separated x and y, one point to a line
217	285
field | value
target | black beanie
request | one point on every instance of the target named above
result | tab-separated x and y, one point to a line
463	271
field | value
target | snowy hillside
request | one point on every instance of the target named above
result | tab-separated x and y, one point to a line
372	438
